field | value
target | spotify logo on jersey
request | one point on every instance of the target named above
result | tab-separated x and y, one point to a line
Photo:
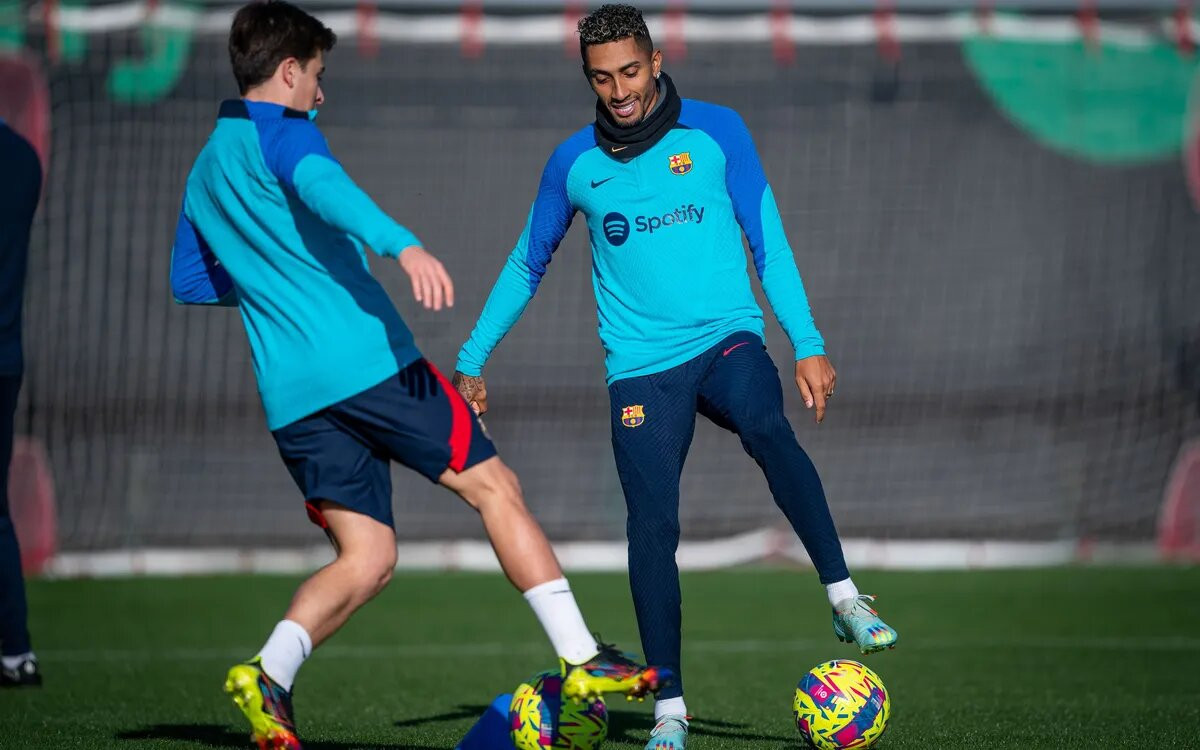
616	229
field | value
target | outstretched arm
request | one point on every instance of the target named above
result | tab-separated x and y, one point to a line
301	159
545	228
303	162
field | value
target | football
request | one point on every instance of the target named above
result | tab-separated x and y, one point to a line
541	718
841	704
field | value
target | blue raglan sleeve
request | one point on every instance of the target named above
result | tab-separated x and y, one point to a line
757	213
197	277
548	222
299	156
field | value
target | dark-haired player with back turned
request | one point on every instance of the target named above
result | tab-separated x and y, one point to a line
668	186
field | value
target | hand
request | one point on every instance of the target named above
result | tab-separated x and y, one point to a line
431	284
816	378
473	389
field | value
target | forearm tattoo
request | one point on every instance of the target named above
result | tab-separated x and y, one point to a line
468	385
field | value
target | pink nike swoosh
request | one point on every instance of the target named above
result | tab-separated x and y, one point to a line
735	346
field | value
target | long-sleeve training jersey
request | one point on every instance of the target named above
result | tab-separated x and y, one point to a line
271	223
668	265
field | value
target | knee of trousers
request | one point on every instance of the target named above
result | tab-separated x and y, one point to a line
659	530
764	432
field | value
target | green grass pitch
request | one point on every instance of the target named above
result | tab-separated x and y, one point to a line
1059	658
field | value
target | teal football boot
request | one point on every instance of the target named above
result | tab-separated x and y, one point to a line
855	622
670	733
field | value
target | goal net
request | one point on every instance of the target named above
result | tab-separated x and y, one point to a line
990	213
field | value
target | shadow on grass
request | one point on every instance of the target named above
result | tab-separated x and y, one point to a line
217	735
626	726
623	726
461	711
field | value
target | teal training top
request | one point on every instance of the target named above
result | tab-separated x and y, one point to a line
668	264
271	223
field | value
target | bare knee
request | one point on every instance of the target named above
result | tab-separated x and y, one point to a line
498	488
370	571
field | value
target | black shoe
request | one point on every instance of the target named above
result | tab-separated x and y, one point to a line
26	674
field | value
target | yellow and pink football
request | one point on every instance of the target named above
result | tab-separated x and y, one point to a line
841	704
541	718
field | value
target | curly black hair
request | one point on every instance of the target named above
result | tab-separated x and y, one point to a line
611	23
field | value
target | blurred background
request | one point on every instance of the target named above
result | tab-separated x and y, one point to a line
993	207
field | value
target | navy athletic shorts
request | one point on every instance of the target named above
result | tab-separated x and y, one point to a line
343	452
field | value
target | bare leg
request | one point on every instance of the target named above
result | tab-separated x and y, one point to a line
492	489
364	565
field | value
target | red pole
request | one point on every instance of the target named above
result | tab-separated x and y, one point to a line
783	49
572	13
1183	28
53	34
885	27
1089	23
472	28
368	36
674	20
984	13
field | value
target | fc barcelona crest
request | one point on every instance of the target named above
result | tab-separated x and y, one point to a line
632	416
681	163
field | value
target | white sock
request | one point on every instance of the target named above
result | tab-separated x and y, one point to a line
841	591
12	662
556	610
670	707
284	652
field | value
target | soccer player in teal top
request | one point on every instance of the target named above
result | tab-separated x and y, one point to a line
668	187
272	224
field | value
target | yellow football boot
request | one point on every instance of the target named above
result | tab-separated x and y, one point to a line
611	671
267	706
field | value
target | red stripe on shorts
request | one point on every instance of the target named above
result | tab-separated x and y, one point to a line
460	421
315	515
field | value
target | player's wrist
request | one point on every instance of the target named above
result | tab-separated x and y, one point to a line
408	246
404	240
468	369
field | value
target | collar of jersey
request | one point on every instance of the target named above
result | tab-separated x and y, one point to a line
626	144
242	109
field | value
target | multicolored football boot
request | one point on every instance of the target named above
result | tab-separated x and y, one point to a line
670	733
266	705
611	671
855	622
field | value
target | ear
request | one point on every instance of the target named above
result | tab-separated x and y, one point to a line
587	74
289	69
656	62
